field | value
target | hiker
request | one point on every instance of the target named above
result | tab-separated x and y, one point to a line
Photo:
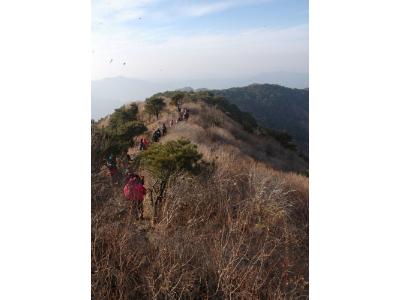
111	164
171	123
145	143
157	135
141	145
134	191
132	176
186	114
164	129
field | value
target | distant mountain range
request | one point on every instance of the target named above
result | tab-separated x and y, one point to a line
110	93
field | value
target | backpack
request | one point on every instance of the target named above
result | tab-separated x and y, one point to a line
140	192
130	190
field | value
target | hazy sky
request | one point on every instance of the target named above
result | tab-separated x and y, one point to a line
198	39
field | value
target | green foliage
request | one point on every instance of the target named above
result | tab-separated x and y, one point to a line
123	134
96	146
123	114
154	106
164	160
116	140
117	137
177	99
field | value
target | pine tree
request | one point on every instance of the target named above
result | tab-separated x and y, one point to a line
177	100
165	161
154	106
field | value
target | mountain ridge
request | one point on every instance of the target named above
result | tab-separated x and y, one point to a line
274	106
111	92
239	221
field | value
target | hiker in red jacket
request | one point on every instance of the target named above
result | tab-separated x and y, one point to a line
134	191
145	143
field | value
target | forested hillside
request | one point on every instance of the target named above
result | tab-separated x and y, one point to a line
275	107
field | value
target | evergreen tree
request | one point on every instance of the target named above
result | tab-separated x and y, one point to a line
177	100
165	161
154	106
123	114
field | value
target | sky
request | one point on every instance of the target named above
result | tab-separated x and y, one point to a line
156	39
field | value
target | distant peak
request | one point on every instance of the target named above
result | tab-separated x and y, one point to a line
186	89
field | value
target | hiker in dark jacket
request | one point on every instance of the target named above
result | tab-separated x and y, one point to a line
111	164
142	145
157	135
154	138
164	129
186	114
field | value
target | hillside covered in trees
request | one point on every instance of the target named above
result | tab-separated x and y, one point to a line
275	107
225	215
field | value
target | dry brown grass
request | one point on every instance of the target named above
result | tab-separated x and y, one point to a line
238	230
214	132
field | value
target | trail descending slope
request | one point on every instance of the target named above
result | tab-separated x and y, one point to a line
236	229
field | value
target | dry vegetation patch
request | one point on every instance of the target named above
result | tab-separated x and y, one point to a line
236	230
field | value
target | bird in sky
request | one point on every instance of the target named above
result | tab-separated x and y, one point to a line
111	60
124	64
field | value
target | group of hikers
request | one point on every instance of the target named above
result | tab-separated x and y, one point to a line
134	190
183	114
161	131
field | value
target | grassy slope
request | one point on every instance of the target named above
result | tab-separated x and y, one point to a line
239	230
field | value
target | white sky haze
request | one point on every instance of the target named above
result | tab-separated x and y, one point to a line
198	39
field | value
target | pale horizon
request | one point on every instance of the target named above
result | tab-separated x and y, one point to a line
163	40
